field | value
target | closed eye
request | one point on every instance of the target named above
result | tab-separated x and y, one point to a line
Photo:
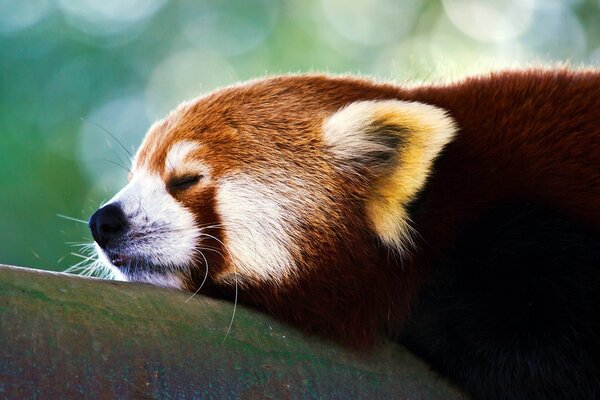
183	182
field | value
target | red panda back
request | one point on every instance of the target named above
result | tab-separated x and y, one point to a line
525	135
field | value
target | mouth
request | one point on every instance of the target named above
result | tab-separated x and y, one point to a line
118	259
133	269
127	263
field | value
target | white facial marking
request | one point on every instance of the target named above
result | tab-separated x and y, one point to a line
178	153
258	228
161	232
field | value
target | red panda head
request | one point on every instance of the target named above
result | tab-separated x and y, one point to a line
273	183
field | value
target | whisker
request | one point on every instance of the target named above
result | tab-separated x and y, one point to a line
76	267
235	301
110	133
139	200
212	249
211	226
110	146
82	246
118	164
80	268
89	258
166	231
203	281
71	218
103	202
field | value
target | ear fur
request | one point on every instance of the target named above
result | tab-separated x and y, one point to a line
397	141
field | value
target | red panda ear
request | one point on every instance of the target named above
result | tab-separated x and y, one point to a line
397	142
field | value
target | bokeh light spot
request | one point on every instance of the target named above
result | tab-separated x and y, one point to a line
228	27
371	22
556	33
492	20
102	17
185	75
103	158
19	15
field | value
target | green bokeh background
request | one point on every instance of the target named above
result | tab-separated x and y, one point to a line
71	70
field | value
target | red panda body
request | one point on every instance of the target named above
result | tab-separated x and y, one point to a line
463	219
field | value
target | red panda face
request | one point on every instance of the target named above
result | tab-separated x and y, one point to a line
269	181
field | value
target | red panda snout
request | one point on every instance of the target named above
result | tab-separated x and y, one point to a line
157	239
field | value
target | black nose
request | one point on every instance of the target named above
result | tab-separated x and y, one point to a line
107	223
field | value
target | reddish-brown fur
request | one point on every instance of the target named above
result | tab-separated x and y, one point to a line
527	134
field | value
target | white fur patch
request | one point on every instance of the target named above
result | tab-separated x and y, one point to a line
178	153
258	228
344	131
161	231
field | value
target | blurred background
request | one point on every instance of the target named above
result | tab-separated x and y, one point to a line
80	76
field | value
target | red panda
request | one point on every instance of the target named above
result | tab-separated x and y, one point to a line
462	219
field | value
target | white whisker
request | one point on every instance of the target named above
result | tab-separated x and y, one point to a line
91	264
203	281
87	258
235	276
71	218
234	303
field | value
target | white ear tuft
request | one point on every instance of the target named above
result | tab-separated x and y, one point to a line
398	141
